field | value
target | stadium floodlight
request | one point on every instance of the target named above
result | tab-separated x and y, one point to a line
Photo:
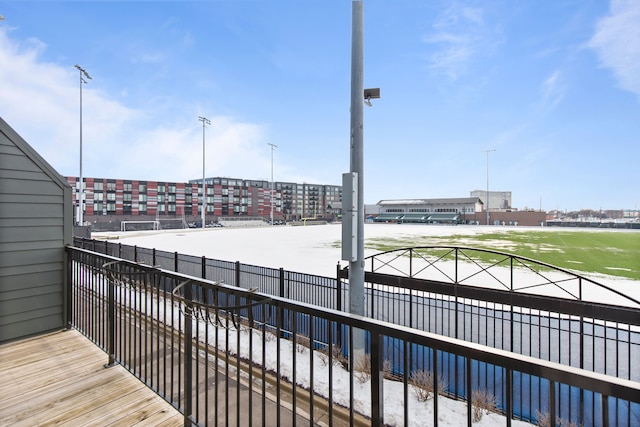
84	73
204	121
369	94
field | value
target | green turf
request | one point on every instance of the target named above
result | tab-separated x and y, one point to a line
604	252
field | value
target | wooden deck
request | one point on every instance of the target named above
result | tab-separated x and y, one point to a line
60	379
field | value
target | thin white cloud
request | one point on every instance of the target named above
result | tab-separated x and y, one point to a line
460	35
617	43
553	89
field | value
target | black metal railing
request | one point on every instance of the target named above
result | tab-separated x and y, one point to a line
476	295
227	355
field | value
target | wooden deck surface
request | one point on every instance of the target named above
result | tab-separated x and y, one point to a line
60	379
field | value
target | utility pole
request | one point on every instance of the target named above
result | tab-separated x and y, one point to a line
204	121
356	267
84	73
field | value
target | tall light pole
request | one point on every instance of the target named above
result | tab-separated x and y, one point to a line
356	261
273	147
487	201
84	73
204	121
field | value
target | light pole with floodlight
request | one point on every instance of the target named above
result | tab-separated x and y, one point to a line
273	147
487	201
84	73
204	121
353	182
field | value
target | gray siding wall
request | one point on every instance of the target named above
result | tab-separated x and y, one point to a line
35	226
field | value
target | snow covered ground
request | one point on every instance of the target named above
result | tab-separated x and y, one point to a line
312	249
316	250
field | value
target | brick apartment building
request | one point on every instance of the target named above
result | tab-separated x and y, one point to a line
113	200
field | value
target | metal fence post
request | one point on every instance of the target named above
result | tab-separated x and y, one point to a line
338	289
280	312
377	379
435	386
338	304
237	274
188	355
69	289
112	322
281	273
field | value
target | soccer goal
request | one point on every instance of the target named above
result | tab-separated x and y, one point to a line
155	225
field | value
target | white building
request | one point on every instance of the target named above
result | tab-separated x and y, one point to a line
498	200
452	210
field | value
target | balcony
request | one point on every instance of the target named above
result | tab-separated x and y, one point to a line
232	344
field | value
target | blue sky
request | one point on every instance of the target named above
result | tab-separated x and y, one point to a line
552	86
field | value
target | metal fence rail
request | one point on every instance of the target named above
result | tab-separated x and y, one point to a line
226	355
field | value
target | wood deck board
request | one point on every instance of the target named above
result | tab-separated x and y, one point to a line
106	406
18	354
47	397
47	368
59	379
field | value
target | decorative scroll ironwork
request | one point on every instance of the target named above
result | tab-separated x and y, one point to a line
224	310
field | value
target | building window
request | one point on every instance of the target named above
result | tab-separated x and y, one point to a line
111	196
126	186
126	197
111	207
161	198
142	198
172	198
142	188
142	208
98	186
97	207
172	188
160	208
161	188
111	186
172	208
100	196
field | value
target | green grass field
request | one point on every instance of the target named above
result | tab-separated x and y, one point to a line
605	252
